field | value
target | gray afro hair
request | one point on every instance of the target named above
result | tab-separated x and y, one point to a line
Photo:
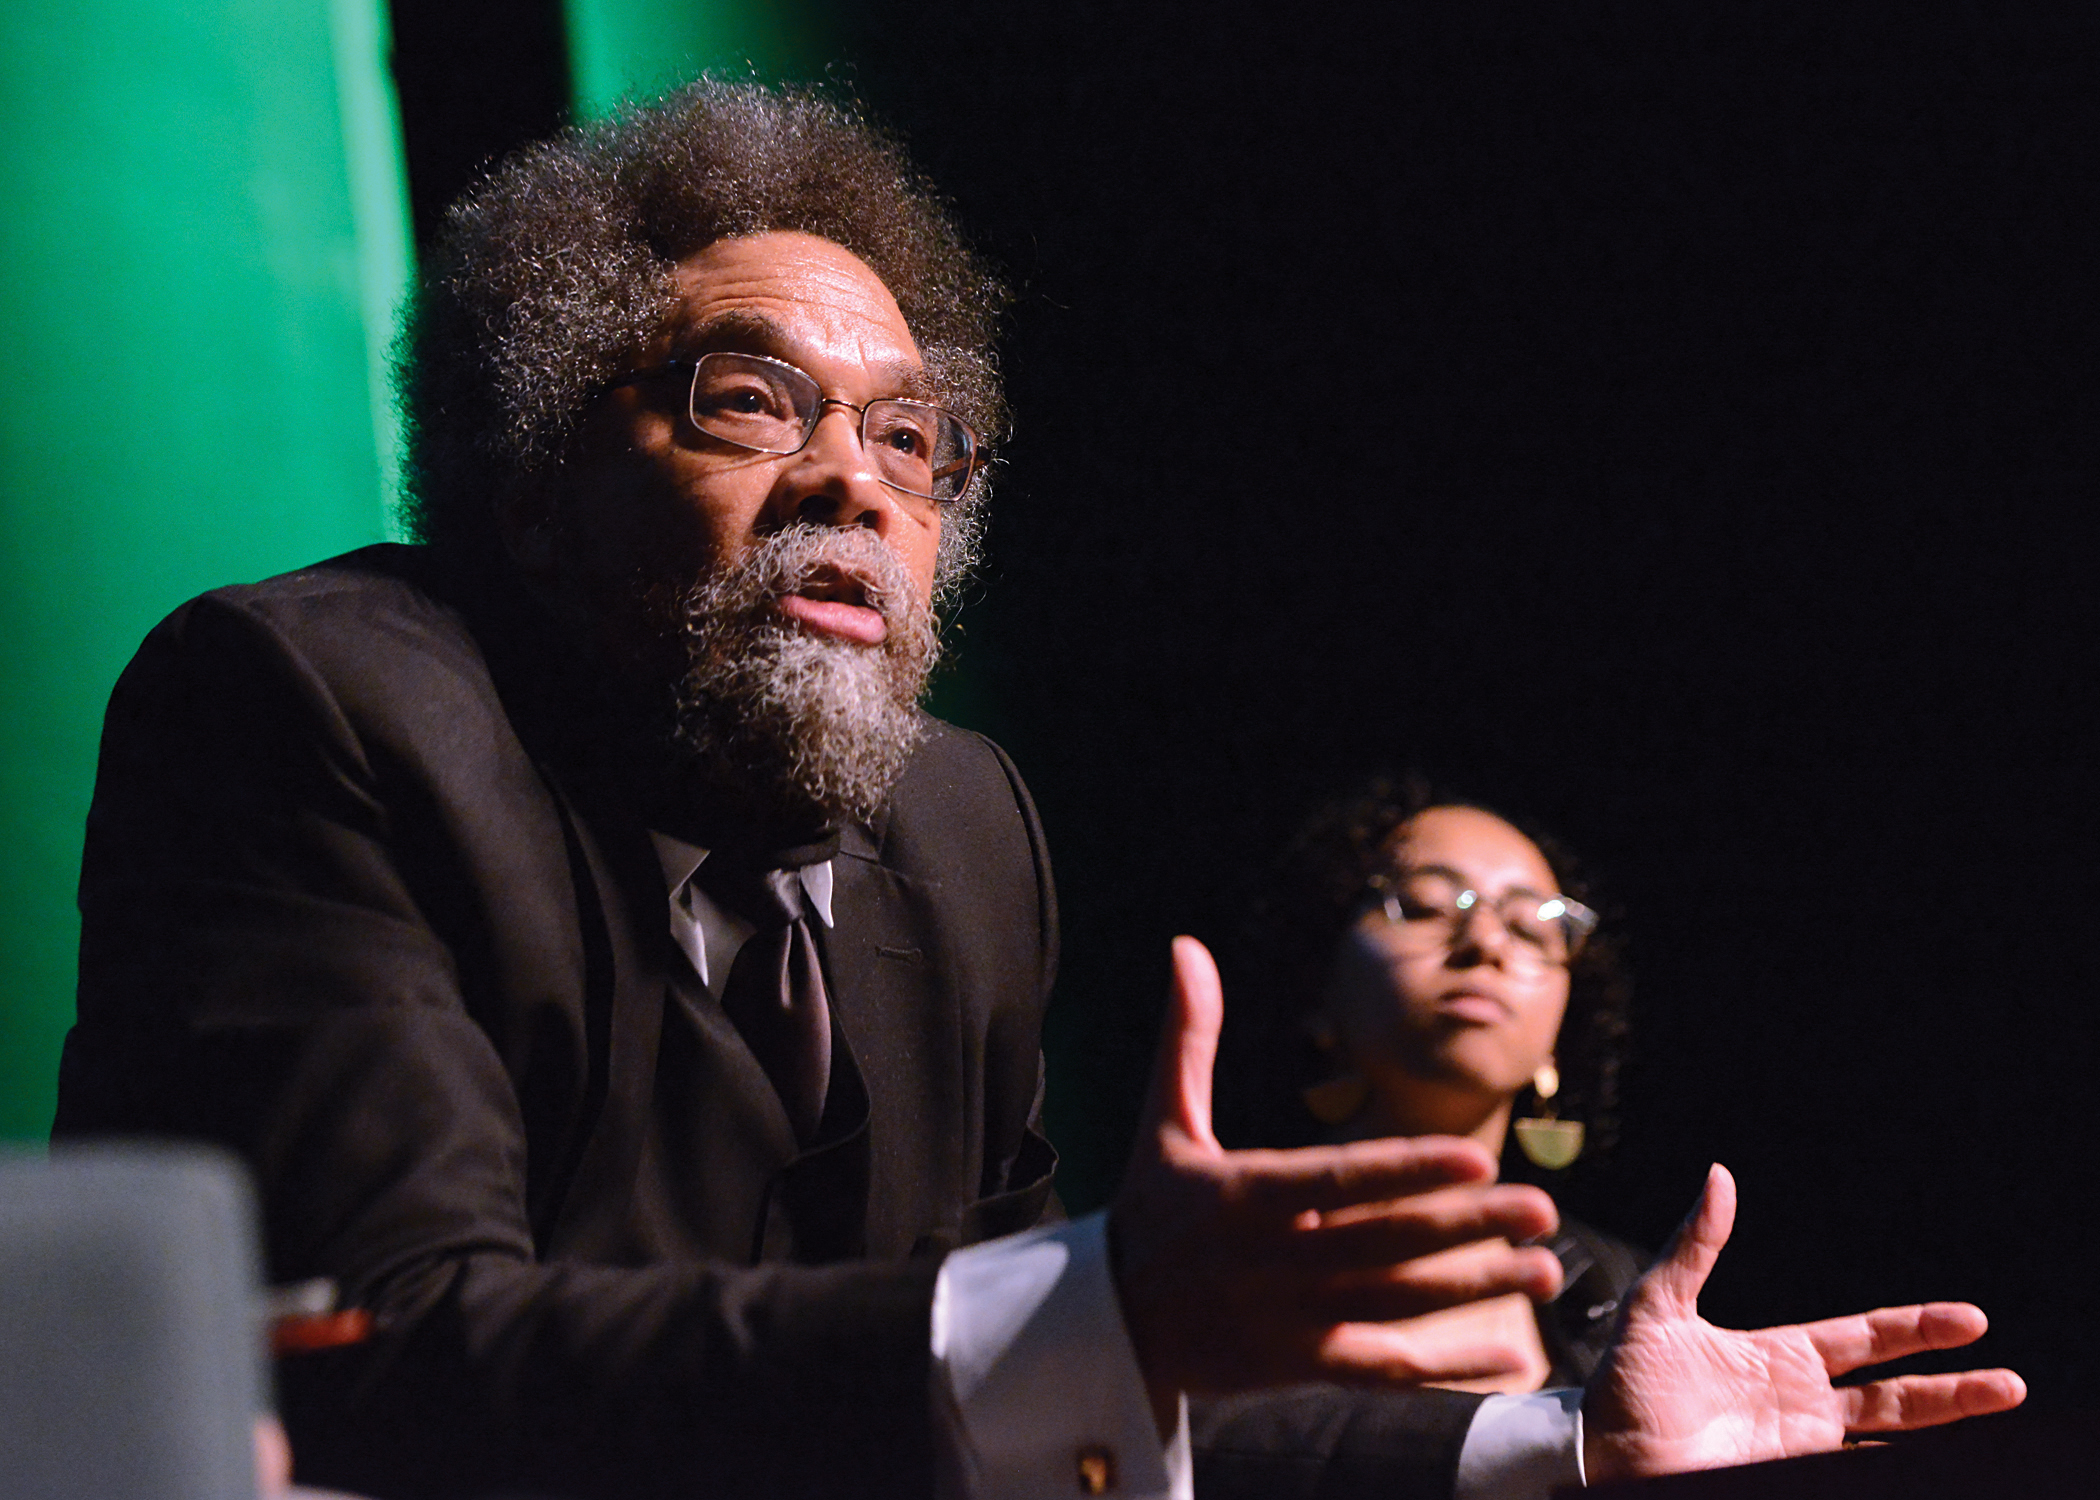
553	273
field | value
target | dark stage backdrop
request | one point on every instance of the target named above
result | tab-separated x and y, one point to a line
1673	421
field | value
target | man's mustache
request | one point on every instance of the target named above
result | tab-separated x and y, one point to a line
851	564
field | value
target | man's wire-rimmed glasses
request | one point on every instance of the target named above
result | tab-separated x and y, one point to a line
769	406
1430	907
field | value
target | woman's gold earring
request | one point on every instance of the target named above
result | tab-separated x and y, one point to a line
1548	1142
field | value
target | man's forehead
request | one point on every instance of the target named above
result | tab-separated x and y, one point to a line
796	297
747	331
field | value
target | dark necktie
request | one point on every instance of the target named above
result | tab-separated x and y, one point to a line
775	990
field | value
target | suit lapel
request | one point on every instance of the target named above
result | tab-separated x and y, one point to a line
587	1204
904	1033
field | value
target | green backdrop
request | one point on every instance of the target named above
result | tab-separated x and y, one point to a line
205	247
205	238
621	48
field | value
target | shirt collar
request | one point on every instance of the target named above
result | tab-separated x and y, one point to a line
680	860
707	935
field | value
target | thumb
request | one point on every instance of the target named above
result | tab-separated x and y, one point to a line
1188	1047
1689	1260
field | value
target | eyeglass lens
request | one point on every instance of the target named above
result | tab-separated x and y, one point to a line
773	407
1434	909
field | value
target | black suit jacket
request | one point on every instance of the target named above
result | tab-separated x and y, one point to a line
367	898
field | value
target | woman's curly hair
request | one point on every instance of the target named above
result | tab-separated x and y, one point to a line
1319	886
558	268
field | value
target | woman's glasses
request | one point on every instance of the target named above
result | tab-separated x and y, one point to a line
1430	908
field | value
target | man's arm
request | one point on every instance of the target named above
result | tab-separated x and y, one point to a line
280	933
1249	1293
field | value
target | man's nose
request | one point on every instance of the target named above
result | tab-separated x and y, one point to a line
832	481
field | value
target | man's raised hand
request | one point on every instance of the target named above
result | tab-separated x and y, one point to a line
1677	1393
1243	1269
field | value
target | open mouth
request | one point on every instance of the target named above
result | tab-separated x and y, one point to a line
830	584
833	601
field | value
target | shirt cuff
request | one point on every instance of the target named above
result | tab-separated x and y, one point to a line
1522	1447
1036	1387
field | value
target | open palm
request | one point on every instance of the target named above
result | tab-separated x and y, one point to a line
1677	1393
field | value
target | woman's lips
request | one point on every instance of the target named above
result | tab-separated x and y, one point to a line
835	617
1473	1007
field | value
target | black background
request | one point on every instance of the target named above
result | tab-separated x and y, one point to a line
1674	421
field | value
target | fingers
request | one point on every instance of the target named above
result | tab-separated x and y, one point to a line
1383	1354
1689	1260
1188	1045
1928	1400
1888	1333
1425	1224
1909	1401
1359	1177
1432	1283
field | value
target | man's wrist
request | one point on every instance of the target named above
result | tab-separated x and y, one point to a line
1028	1338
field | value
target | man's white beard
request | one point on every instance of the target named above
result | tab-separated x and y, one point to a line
802	728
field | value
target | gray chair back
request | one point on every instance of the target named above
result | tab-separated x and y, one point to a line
131	1356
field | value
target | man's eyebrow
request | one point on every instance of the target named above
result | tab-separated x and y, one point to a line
739	330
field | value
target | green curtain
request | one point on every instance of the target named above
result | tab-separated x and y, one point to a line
620	49
205	243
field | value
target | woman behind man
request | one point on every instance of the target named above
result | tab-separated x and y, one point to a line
1435	970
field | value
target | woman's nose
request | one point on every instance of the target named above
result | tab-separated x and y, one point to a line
1480	935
